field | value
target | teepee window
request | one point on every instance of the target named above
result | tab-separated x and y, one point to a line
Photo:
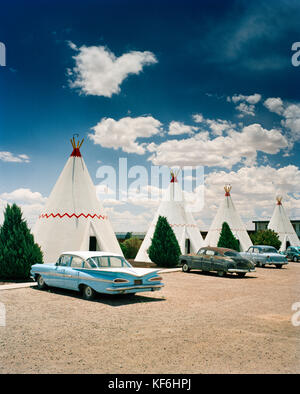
93	244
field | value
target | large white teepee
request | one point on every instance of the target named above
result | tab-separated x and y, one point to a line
281	224
228	213
74	218
182	222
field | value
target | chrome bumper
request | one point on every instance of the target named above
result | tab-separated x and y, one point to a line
145	287
241	270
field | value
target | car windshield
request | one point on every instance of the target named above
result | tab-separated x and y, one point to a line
231	253
108	261
268	250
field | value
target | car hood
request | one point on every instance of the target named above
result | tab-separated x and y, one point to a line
242	262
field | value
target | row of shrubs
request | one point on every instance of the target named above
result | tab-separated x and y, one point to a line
18	251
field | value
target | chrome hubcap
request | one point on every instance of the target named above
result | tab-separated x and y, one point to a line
88	291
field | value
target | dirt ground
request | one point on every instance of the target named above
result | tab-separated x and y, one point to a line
199	323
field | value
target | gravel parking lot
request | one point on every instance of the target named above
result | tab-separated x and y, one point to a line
199	323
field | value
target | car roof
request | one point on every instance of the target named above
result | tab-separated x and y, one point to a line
86	254
220	250
263	246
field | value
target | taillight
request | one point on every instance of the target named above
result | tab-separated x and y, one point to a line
120	280
155	278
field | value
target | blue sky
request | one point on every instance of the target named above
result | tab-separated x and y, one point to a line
157	82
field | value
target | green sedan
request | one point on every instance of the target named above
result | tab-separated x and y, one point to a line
221	260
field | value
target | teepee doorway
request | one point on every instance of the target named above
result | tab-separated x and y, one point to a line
187	246
93	244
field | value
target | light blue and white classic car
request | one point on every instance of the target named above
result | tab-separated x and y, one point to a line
96	272
262	255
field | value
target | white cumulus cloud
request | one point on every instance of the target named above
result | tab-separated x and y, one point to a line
222	151
246	104
12	158
123	133
274	104
99	72
177	128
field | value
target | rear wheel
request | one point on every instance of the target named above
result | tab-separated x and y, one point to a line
295	259
185	267
221	273
40	282
278	265
88	293
241	274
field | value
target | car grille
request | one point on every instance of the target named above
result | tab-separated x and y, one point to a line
242	264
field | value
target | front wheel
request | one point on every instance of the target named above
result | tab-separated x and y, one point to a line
41	283
295	259
241	274
88	293
185	267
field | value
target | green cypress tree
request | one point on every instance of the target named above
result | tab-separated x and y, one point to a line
17	248
227	239
164	250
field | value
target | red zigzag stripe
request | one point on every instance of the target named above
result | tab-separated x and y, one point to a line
45	215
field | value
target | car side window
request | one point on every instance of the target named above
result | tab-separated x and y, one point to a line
115	262
76	262
250	250
90	263
65	260
104	261
201	251
255	250
210	252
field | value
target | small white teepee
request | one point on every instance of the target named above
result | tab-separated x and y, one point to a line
281	224
228	213
74	218
182	222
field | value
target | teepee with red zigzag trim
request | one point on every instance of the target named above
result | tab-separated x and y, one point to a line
228	213
74	218
173	207
281	224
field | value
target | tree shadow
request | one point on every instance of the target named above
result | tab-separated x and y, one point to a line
108	299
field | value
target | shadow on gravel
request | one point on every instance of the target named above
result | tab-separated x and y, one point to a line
108	299
227	276
268	267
